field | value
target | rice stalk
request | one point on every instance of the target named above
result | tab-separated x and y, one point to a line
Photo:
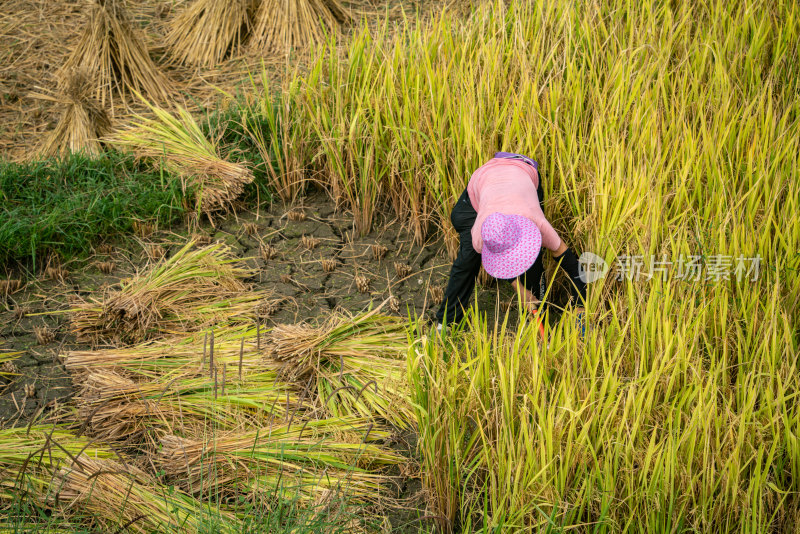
189	291
208	31
178	144
114	51
356	364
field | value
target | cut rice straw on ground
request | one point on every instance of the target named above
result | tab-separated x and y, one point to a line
356	363
114	51
74	477
179	387
82	123
178	143
208	30
190	291
309	460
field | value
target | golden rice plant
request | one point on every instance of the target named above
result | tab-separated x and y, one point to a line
286	25
207	31
310	460
355	364
178	143
83	121
113	51
193	289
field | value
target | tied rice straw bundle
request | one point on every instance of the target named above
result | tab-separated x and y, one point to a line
180	386
83	121
115	52
116	408
283	25
76	478
205	32
190	355
189	291
307	460
182	148
357	363
116	494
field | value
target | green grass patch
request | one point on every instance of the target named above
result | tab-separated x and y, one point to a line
63	206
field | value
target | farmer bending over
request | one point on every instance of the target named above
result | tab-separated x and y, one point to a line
501	224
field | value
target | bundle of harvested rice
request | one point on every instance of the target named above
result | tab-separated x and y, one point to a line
114	51
283	25
190	291
208	30
356	363
76	478
182	386
116	408
178	143
83	121
306	460
234	345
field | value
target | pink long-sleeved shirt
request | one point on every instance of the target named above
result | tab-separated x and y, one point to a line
508	186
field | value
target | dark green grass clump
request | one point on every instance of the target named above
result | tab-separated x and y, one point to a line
63	206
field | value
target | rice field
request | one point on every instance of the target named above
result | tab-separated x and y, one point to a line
668	136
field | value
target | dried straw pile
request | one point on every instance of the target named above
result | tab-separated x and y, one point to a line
83	121
283	25
357	365
114	51
191	290
179	144
208	30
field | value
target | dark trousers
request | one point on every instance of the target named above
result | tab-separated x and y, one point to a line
467	265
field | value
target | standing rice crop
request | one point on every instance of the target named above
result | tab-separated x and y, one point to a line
275	126
189	291
178	143
355	364
114	51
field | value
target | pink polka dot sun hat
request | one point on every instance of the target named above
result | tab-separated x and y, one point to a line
511	243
